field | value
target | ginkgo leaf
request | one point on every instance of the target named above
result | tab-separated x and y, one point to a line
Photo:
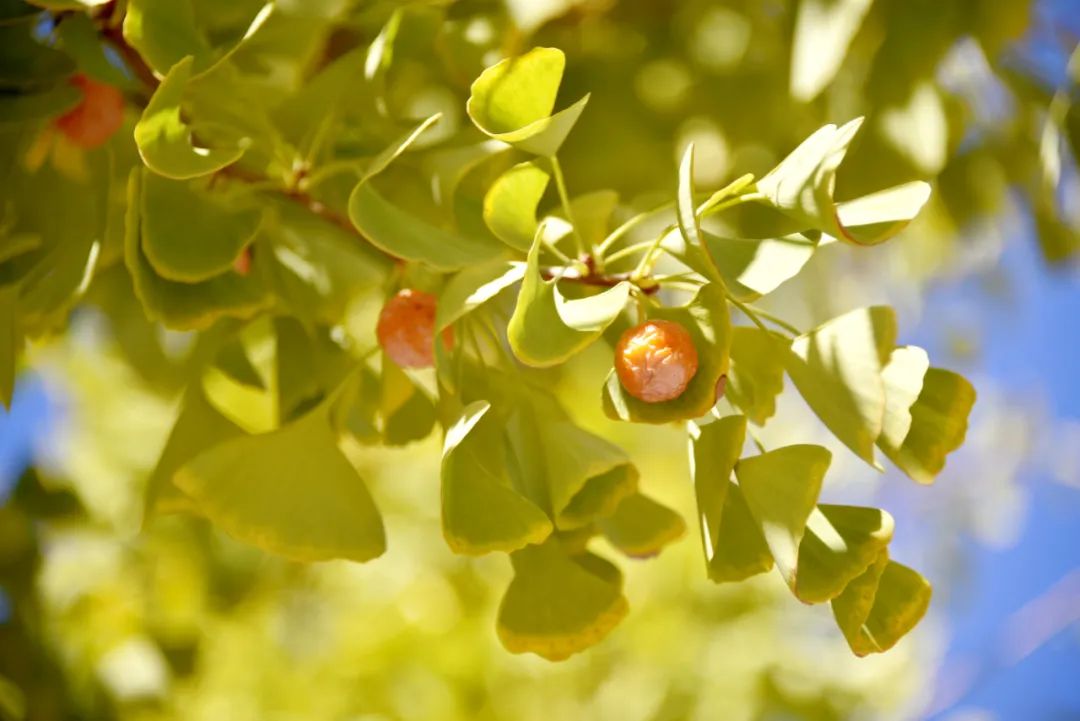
781	488
546	328
184	306
190	236
198	427
880	607
733	544
291	492
706	319
392	152
938	424
481	511
405	235
557	604
587	476
511	202
513	100
903	379
165	140
472	287
757	372
837	368
642	527
802	186
751	268
840	543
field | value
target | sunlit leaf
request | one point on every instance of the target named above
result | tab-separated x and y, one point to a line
802	186
404	235
481	512
165	140
547	328
757	372
837	368
642	527
706	319
511	202
513	100
939	421
881	606
393	151
840	543
191	236
474	286
558	605
734	547
587	476
751	267
291	492
781	488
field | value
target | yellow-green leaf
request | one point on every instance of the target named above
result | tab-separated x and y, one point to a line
547	328
557	604
642	527
781	488
839	545
513	100
165	139
511	202
757	372
880	607
837	368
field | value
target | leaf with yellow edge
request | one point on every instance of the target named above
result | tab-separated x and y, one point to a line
481	511
557	604
781	488
881	606
839	545
642	527
757	372
291	491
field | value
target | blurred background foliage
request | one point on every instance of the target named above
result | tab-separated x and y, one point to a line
101	618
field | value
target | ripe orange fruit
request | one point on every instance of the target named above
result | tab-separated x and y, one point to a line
406	329
656	360
94	120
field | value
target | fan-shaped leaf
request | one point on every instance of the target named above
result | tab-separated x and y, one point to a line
734	547
547	328
781	488
511	202
802	186
642	527
751	268
165	140
481	511
512	101
557	605
190	236
757	372
841	542
474	286
939	420
837	368
880	607
291	492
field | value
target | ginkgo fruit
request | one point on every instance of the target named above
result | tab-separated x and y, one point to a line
98	115
406	329
656	360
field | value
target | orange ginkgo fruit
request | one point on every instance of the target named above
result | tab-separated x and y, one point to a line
406	329
656	360
98	115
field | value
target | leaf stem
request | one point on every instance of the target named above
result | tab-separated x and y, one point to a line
776	320
564	198
629	225
628	251
747	311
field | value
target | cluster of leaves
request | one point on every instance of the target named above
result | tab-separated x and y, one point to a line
256	217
